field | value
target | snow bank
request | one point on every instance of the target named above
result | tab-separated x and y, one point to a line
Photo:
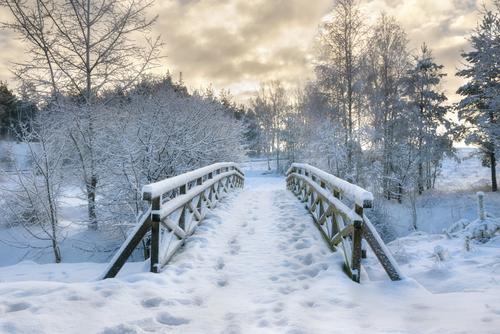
444	265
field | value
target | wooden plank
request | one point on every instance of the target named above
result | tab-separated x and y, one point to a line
128	247
325	236
195	211
338	238
322	219
182	218
380	253
172	226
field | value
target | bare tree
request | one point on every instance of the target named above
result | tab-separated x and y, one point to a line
387	65
33	191
81	48
341	41
271	106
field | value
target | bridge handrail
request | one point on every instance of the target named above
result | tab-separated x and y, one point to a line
340	225
351	191
159	188
176	206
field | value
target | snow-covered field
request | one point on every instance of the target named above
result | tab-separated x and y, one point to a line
258	265
453	199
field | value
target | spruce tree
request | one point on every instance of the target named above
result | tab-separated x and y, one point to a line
479	108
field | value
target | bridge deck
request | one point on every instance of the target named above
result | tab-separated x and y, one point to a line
254	261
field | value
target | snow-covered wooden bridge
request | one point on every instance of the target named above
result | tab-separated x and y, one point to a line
256	264
179	204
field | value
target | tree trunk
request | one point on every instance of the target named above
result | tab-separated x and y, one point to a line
57	251
91	194
278	158
420	182
493	163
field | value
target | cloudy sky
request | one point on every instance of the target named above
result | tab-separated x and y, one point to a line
235	44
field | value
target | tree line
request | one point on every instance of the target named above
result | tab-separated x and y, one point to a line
103	122
376	113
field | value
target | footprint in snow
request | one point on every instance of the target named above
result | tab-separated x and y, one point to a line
222	282
263	323
121	329
152	302
234	247
232	329
166	318
303	244
220	264
74	297
16	307
306	260
278	308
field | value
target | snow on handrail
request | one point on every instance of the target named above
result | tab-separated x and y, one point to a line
174	204
157	189
351	191
337	203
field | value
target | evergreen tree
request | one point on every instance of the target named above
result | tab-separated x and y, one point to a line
479	108
429	126
8	104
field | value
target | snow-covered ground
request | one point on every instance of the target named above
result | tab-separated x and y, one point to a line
258	265
453	199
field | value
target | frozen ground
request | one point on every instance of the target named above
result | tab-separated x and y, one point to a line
256	265
453	199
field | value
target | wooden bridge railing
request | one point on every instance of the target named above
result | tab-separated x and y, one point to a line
177	206
327	198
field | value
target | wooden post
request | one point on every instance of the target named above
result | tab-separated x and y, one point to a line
182	218
155	235
356	245
336	193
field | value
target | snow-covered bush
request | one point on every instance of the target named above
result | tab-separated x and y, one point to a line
157	132
482	229
440	253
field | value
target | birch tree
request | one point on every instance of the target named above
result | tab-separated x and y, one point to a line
341	41
387	62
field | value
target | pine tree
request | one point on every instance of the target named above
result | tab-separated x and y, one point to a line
8	103
428	114
479	108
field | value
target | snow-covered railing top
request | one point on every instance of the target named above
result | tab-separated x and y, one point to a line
159	188
341	225
348	190
176	206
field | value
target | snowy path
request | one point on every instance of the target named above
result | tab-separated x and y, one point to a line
256	265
